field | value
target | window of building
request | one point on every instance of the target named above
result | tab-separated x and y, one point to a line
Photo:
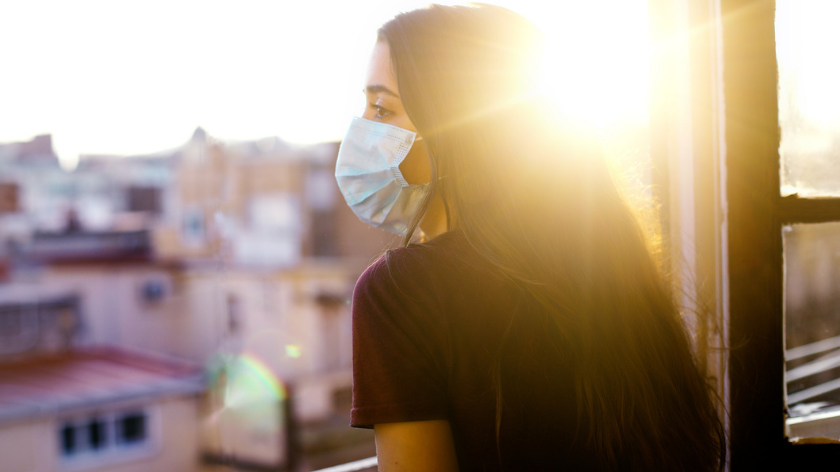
747	137
234	314
193	226
147	199
781	129
809	151
131	428
90	440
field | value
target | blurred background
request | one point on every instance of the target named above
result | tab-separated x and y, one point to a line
176	261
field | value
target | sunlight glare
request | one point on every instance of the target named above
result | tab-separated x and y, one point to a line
808	73
597	56
138	77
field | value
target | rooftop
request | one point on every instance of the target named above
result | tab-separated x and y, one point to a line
51	384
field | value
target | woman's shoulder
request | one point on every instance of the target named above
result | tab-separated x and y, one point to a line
419	272
416	260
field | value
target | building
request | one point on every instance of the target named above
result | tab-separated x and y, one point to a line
238	257
103	409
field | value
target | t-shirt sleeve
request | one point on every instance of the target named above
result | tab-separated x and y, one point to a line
397	373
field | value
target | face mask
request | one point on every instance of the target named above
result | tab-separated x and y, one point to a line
368	174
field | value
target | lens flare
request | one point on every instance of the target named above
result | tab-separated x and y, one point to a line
246	417
251	377
293	351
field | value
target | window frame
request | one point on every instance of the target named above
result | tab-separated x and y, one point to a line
756	214
715	151
113	451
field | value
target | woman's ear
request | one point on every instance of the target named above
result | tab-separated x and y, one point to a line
416	168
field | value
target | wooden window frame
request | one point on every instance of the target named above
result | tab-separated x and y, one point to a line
747	190
715	150
725	136
757	214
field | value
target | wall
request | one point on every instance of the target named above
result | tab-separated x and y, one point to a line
296	322
31	446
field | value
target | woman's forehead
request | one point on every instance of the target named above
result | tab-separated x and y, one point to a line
380	76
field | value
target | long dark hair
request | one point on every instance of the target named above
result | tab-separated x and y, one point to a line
532	193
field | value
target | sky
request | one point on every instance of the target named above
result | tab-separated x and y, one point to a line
135	77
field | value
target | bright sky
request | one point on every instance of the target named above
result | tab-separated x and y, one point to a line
807	36
131	77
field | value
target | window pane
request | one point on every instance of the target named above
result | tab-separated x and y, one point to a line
812	328
807	40
96	434
132	428
68	439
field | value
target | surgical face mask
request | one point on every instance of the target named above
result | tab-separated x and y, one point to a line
368	174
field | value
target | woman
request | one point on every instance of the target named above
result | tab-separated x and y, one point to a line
531	330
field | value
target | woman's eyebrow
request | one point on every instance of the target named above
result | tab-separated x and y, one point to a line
380	89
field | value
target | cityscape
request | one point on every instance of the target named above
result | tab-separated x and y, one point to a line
177	261
178	311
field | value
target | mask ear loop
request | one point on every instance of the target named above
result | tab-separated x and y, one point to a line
445	204
440	188
412	235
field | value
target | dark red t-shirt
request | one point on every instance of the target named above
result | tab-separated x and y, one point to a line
430	330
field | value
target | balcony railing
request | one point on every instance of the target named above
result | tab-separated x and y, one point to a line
364	465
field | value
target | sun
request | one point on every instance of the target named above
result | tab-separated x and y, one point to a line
597	59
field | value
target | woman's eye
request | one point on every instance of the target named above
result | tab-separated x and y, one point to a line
380	112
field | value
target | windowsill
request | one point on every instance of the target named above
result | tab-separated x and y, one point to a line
821	426
364	465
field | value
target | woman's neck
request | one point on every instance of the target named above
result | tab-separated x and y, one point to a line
435	221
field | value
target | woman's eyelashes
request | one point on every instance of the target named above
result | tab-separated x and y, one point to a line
379	112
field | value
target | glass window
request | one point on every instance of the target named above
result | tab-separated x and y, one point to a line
812	328
97	434
68	439
807	41
131	428
105	436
